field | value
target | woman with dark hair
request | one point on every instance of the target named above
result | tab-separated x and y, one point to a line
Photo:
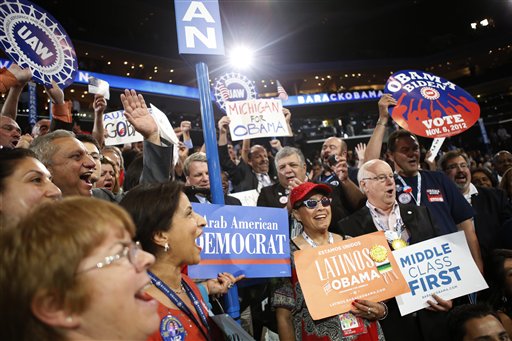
24	183
168	227
311	205
483	177
499	277
108	176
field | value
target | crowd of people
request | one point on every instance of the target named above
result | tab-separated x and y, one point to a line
96	240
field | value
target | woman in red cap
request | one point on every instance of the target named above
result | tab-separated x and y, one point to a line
311	205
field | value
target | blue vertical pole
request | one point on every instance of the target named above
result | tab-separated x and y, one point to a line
210	140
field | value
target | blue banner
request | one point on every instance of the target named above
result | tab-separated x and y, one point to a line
253	241
198	26
333	97
32	104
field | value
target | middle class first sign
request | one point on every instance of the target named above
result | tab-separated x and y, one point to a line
333	276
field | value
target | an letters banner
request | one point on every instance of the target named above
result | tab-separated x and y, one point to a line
198	27
441	266
33	39
118	130
256	118
333	276
243	240
429	105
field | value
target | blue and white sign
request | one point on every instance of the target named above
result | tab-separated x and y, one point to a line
198	26
243	240
232	87
33	38
441	266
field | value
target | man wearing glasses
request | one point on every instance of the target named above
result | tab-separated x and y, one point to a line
491	206
403	224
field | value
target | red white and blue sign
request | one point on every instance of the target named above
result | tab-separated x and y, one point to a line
429	105
254	241
33	39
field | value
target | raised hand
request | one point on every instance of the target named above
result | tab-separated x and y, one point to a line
137	113
99	105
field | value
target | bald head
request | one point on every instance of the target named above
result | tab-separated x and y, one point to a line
10	132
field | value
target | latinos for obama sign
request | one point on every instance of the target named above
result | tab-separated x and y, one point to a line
32	38
333	276
429	105
243	240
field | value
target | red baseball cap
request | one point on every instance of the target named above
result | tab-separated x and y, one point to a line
300	192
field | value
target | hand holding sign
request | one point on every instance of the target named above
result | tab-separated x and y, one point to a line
137	113
99	105
22	75
223	124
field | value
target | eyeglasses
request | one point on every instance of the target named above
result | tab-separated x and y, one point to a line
130	251
381	177
313	203
461	165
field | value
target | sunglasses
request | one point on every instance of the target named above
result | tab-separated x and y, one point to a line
313	203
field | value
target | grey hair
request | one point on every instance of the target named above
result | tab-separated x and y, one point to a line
364	171
44	147
289	151
199	157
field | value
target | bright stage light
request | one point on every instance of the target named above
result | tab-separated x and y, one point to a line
241	57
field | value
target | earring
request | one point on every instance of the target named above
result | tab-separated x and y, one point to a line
166	247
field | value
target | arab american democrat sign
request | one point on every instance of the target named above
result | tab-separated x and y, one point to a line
243	240
333	276
256	118
429	105
32	38
441	266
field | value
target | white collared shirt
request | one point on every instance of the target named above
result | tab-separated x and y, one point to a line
472	191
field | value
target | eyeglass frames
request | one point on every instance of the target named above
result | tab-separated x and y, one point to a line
381	177
130	251
313	203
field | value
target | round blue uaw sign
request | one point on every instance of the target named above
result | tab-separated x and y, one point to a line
429	105
32	38
233	87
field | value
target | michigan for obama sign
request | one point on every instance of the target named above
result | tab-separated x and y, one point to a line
32	38
429	105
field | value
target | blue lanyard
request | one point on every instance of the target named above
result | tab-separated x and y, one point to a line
327	179
180	304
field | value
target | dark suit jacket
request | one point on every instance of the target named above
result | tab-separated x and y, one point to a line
242	176
424	324
492	209
228	200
